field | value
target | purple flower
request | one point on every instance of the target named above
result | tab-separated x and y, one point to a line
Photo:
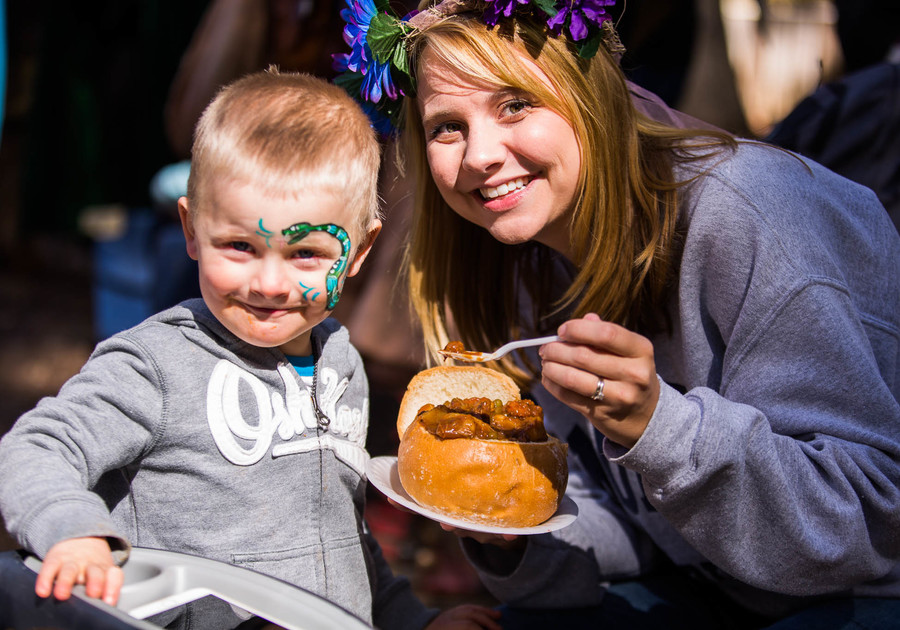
580	15
340	62
497	8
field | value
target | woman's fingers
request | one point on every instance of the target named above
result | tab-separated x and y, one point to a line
592	333
604	372
507	541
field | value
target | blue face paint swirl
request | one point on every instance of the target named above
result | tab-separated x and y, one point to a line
267	234
299	231
307	290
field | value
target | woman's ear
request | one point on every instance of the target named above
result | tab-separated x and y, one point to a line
365	247
187	226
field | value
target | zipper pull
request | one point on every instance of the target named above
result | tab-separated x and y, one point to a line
321	418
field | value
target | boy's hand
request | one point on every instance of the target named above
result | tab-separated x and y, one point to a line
465	617
85	561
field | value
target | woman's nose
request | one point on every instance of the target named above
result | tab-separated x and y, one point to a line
485	149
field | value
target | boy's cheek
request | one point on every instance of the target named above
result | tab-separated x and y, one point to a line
313	292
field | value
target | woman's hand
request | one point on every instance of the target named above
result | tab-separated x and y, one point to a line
465	617
504	541
610	363
85	561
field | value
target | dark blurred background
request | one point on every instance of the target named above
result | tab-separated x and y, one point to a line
88	242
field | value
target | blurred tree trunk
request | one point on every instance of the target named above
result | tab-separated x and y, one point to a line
710	92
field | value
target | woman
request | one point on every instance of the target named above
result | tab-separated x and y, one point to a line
728	376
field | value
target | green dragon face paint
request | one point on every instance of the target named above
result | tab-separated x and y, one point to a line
333	278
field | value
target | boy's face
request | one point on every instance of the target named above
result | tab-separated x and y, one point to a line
272	267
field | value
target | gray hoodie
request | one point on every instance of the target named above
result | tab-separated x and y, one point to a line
771	465
177	435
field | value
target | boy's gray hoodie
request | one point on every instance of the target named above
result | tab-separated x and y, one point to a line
177	435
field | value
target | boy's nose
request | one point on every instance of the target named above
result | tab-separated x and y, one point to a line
271	279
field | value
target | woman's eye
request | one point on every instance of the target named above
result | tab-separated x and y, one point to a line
516	107
445	129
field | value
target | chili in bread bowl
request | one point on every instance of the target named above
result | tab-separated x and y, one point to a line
505	473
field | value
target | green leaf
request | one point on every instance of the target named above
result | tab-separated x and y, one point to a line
351	82
400	59
547	6
385	34
587	48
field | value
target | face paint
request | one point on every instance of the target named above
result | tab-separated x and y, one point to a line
299	231
306	291
267	234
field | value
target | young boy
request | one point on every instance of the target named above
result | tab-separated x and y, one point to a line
231	427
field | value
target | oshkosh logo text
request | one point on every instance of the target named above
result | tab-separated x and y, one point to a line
244	441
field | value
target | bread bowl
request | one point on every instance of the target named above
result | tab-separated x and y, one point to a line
496	482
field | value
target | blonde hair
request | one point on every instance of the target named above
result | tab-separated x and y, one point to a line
623	223
288	133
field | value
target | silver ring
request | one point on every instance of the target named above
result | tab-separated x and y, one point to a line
598	393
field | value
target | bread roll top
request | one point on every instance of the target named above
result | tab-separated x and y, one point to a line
437	385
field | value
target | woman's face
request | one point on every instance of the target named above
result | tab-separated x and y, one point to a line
499	158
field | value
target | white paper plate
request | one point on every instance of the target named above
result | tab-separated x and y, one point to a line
382	472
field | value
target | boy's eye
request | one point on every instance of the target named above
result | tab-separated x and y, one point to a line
317	245
241	246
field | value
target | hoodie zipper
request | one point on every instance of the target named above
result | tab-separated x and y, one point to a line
322	420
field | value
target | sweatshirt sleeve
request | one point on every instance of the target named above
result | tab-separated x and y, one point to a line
788	476
777	457
394	605
571	566
102	419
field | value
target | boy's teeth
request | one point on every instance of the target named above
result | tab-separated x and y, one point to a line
503	189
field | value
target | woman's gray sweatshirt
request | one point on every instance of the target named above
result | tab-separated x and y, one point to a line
771	465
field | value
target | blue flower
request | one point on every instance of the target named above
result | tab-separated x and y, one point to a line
340	62
580	15
377	79
358	17
383	114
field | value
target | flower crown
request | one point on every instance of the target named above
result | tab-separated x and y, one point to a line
376	70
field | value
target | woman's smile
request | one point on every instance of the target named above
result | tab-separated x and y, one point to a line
493	192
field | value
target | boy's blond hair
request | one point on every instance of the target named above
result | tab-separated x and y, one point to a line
288	133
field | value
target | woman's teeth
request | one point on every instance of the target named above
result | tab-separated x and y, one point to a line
503	189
